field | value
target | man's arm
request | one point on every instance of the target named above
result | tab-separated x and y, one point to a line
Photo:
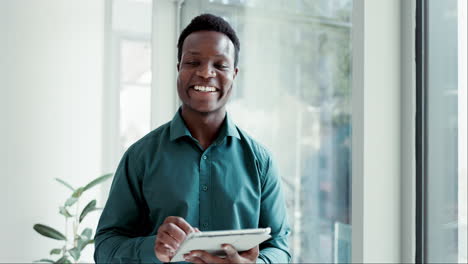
273	214
121	236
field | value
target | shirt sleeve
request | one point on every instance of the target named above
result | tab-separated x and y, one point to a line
122	235
273	214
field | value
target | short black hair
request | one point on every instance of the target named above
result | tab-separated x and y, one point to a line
209	22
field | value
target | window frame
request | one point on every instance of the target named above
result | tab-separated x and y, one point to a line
383	87
165	102
421	126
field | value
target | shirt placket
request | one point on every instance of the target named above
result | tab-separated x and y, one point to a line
204	191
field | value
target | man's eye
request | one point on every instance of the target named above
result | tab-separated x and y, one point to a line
222	66
192	63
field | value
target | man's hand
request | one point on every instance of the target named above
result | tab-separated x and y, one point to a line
170	235
232	256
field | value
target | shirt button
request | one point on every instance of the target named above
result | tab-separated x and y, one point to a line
205	188
205	157
205	224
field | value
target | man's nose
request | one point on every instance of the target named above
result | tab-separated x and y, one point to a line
206	71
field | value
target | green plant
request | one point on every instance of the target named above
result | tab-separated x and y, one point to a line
74	245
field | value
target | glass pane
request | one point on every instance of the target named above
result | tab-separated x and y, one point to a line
135	91
293	94
336	10
446	118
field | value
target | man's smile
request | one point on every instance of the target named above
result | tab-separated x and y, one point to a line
201	88
203	92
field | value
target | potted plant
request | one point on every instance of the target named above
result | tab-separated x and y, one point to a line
73	245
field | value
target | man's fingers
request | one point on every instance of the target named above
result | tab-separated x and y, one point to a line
197	260
170	235
163	252
174	231
251	253
231	253
204	256
180	222
166	250
168	240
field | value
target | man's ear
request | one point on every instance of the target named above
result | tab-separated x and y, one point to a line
236	70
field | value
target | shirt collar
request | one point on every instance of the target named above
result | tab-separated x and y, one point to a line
179	129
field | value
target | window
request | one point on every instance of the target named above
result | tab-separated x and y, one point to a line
444	198
292	93
135	91
129	78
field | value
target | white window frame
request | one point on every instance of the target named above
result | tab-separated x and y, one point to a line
165	28
383	119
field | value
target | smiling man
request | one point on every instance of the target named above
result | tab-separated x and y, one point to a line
198	171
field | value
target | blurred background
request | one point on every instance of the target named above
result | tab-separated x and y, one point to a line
83	80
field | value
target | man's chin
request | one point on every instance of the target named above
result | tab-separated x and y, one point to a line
206	110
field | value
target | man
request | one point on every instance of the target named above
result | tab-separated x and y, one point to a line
197	172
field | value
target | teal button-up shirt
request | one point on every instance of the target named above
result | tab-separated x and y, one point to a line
233	184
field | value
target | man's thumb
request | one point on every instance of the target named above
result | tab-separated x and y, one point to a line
231	252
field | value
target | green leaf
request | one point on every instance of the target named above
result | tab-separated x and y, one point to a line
71	201
98	181
91	206
44	260
63	259
83	243
75	253
65	183
56	251
63	211
77	193
87	233
49	232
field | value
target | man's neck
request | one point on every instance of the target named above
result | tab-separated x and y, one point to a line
204	127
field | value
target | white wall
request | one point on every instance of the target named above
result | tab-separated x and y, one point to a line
52	84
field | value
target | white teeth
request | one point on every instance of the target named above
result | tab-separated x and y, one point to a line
204	88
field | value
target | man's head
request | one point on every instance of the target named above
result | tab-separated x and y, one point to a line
207	64
209	22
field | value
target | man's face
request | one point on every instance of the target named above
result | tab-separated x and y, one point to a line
206	71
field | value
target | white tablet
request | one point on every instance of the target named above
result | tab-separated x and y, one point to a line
211	241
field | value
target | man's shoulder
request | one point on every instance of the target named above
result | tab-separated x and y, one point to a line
262	156
260	151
